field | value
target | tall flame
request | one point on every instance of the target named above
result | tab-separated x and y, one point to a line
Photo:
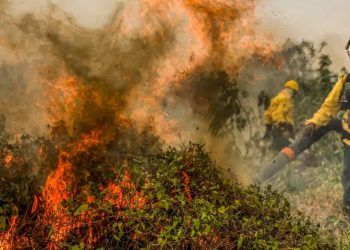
103	84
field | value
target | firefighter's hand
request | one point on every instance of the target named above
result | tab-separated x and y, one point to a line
287	130
267	132
286	134
310	129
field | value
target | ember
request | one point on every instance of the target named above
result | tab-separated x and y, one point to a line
9	158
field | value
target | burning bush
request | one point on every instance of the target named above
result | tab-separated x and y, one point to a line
171	199
111	97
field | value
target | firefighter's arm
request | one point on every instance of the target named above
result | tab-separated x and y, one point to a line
329	108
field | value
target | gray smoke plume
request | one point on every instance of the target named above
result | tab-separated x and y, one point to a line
155	64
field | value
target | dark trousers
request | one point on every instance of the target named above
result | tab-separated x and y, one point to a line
306	140
279	138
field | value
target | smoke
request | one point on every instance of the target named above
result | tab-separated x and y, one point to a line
147	68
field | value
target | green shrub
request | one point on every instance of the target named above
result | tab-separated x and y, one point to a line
174	199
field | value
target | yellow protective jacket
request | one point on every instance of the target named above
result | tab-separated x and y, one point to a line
330	108
280	110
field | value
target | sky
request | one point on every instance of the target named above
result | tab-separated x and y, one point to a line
314	20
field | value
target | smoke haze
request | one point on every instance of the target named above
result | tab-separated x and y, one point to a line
314	20
133	65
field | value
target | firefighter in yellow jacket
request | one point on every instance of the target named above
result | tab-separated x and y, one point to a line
278	118
322	122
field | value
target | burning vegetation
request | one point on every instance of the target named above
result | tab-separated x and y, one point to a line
174	199
104	104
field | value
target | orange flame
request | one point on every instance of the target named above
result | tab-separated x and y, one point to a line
214	34
115	194
8	160
7	238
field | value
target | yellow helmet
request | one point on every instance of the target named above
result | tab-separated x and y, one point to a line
292	84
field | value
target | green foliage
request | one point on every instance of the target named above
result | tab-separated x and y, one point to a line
82	208
187	205
223	95
24	164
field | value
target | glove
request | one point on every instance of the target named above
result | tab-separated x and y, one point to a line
267	132
309	129
287	131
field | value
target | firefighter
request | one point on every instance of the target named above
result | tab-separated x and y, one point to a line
278	118
322	122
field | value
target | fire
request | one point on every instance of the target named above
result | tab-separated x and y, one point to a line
187	185
63	96
7	238
99	107
116	194
8	160
218	34
56	186
54	193
60	187
35	205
